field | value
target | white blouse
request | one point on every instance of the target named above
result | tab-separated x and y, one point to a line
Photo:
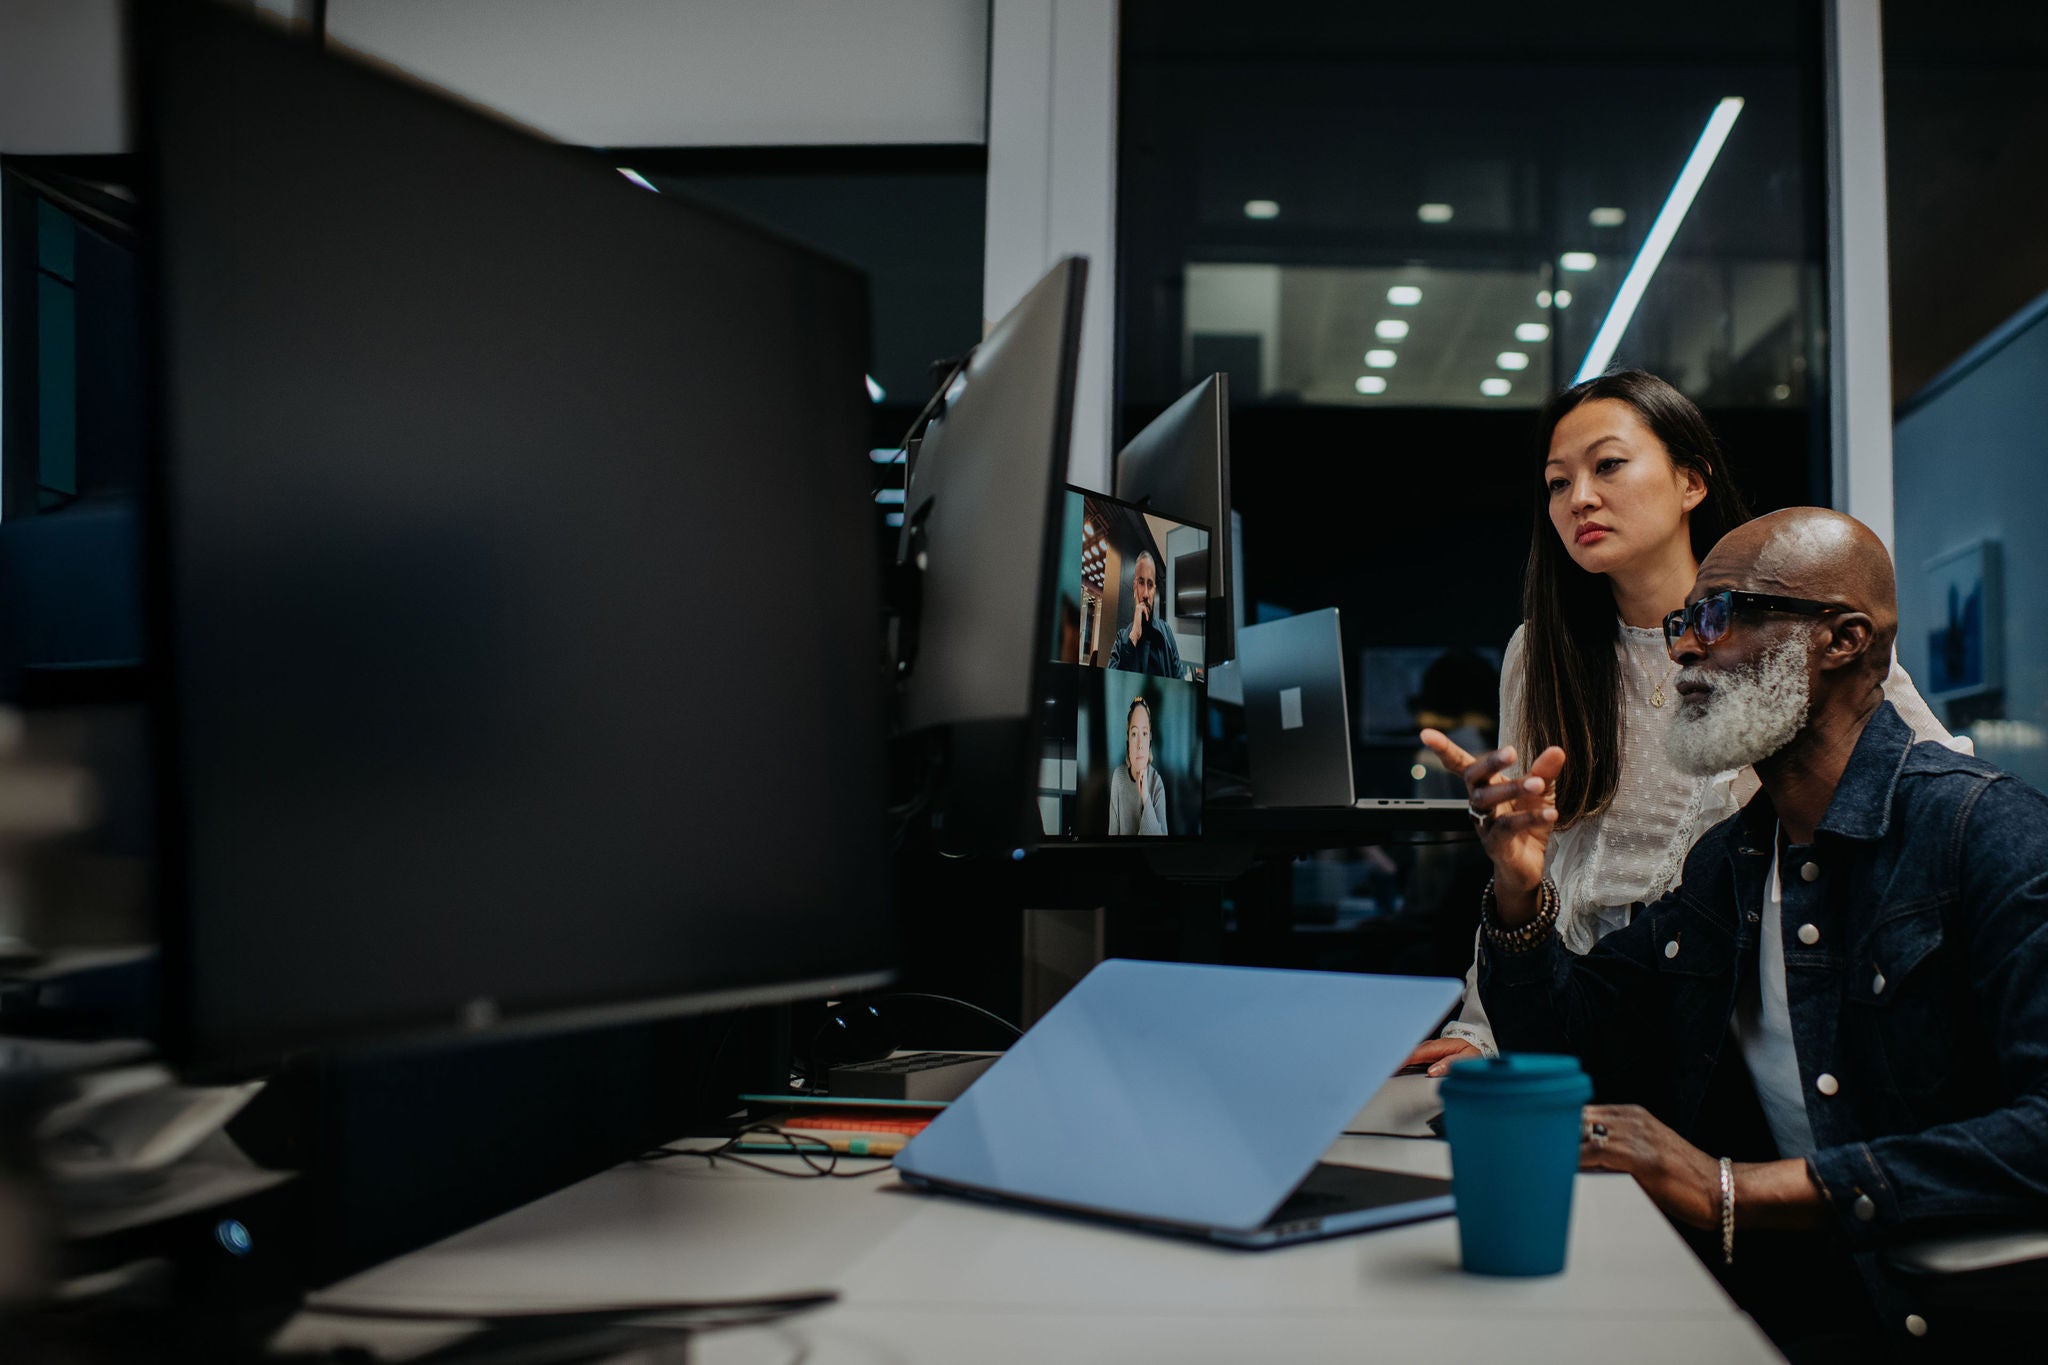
1634	850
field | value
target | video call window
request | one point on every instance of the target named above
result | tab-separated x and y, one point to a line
1122	755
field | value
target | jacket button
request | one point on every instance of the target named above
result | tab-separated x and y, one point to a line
1877	984
1671	948
1916	1324
1809	872
1864	1209
1827	1084
1809	934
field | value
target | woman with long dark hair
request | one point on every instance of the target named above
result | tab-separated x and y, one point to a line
1631	493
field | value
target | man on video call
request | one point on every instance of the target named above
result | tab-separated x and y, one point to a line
1146	647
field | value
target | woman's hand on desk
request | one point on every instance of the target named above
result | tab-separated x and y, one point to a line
1438	1053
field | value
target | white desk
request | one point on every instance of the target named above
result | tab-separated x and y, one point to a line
928	1278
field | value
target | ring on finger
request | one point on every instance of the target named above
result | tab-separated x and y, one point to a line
1596	1133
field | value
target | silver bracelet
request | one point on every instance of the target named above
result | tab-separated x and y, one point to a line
1727	1211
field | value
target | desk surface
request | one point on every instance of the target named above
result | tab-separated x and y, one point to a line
929	1278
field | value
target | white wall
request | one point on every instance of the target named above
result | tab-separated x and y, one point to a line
1052	185
602	72
680	73
61	77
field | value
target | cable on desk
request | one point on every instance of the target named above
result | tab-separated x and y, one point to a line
765	1308
949	1000
802	1146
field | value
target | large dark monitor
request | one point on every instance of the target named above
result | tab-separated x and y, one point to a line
1180	465
513	582
981	535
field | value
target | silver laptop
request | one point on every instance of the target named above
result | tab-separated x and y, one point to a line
1193	1100
1298	718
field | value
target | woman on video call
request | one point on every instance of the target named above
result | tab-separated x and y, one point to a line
1631	495
1137	794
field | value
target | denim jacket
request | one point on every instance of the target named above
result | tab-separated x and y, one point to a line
1916	964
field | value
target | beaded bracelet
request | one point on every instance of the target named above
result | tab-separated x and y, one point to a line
1727	1212
1527	936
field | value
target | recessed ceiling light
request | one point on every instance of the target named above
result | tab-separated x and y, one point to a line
1382	360
1607	217
1543	298
1532	332
893	519
875	390
1434	213
1261	208
1512	360
1404	296
1370	383
1495	387
1390	329
1562	298
1578	260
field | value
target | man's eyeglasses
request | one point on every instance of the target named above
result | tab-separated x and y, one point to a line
1710	617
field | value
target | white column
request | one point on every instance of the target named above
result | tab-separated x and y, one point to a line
1052	184
1859	313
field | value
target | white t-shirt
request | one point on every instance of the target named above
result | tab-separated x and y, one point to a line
1763	1027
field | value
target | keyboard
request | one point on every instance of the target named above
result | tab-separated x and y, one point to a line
910	1076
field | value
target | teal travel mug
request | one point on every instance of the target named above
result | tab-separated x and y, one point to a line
1513	1124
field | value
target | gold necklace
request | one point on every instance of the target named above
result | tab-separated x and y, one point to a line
1656	688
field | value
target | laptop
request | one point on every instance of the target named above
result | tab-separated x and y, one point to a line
1298	719
1193	1100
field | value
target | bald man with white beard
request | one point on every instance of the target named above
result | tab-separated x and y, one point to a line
1832	1035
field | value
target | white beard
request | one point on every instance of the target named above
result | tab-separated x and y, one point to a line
1749	714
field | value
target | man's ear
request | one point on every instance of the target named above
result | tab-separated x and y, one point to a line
1852	636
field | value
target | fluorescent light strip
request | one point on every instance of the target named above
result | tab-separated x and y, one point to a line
1719	123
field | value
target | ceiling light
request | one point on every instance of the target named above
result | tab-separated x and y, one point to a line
1390	329
1608	338
1532	332
887	456
1370	383
1382	360
1261	208
1607	217
889	495
1543	298
893	519
1434	213
1562	298
1578	260
1404	296
1495	387
1512	360
875	393
636	178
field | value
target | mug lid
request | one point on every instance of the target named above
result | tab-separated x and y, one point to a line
1521	1074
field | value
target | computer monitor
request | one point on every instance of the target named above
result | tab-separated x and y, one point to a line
513	590
1121	752
980	540
1180	465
